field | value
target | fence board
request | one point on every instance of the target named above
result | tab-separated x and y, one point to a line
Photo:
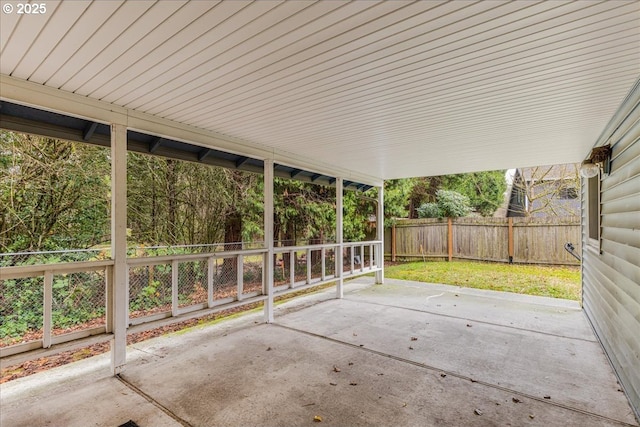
535	240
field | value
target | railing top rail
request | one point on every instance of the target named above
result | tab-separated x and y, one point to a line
366	242
22	271
162	259
281	249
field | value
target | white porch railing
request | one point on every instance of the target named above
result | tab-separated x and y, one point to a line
70	301
173	285
58	302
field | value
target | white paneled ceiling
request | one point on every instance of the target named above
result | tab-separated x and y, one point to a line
388	89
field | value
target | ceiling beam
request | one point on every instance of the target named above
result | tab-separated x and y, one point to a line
241	161
202	154
89	130
154	145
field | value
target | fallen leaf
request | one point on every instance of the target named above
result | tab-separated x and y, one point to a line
336	369
477	411
514	400
317	419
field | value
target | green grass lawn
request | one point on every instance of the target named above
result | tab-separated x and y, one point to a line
557	282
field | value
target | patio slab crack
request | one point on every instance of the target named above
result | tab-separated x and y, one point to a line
151	400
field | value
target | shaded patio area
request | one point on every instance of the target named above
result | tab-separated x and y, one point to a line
403	353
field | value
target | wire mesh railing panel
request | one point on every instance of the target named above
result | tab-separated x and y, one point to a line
282	269
192	283
366	258
300	269
346	259
252	275
225	275
316	264
21	310
330	262
149	289
78	301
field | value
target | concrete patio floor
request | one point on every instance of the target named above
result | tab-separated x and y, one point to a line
399	354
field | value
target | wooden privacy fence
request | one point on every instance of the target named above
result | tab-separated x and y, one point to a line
520	240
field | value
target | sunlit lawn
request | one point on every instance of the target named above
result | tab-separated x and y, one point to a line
557	282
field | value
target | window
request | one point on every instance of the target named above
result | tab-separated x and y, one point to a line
593	210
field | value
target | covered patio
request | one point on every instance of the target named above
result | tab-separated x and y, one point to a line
347	95
404	353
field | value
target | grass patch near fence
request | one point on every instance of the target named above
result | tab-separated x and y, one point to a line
548	281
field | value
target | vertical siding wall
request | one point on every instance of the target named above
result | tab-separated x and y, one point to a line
611	279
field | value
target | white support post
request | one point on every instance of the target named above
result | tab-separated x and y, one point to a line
292	268
108	276
175	290
47	309
308	259
210	273
323	268
268	237
339	251
240	276
380	235
128	292
119	246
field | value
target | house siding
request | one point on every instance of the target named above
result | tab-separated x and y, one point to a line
611	271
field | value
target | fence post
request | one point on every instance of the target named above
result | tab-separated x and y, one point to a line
510	237
393	242
450	238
